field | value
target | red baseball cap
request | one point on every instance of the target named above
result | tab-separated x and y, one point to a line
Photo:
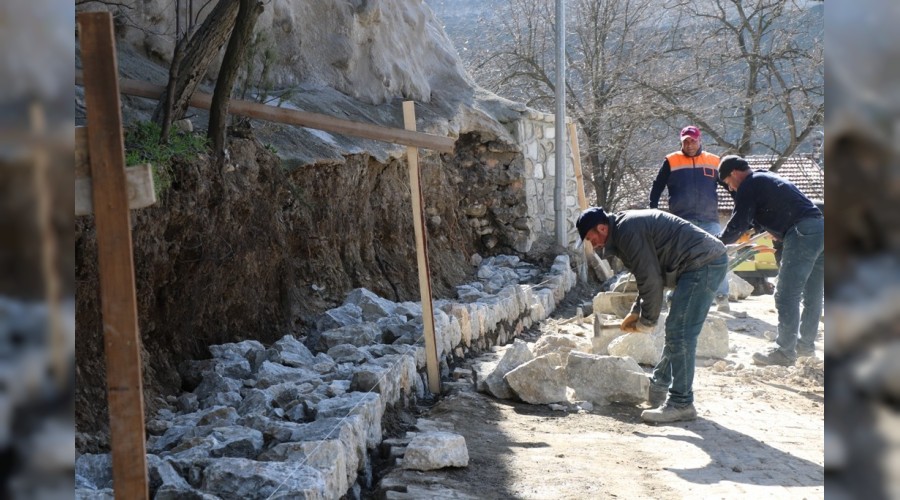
690	131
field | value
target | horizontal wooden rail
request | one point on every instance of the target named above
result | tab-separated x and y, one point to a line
138	179
138	185
296	117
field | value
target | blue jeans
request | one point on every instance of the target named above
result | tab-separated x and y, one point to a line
801	276
694	293
714	229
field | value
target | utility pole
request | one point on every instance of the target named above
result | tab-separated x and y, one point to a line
559	192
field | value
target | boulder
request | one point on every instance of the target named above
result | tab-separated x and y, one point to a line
436	450
539	381
606	379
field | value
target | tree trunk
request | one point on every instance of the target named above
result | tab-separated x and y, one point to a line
170	90
234	55
201	50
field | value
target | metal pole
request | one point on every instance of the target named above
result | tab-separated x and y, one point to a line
559	192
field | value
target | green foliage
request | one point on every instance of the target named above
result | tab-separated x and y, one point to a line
142	146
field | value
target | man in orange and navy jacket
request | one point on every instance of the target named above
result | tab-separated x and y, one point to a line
691	177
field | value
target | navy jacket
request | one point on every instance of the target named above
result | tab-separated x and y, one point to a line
765	200
657	247
692	182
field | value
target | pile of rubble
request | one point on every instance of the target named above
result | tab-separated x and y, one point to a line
298	420
591	360
592	363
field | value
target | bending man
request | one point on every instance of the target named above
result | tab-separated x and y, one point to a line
661	249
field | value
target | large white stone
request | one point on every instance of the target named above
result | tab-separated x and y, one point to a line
738	288
561	344
713	340
606	379
645	348
539	381
495	384
617	303
436	450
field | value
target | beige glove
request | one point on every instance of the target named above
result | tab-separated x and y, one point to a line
629	324
632	324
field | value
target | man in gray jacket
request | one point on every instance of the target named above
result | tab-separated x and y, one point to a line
661	250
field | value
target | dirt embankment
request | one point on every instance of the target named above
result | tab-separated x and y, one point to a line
255	252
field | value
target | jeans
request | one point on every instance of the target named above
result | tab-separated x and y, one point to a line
694	293
801	276
714	229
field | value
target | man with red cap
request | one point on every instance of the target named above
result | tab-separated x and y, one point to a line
690	175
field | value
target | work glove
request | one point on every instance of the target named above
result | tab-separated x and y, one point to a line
632	324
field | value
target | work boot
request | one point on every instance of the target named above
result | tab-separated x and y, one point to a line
805	352
657	395
668	412
775	356
722	304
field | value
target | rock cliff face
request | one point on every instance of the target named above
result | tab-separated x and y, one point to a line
260	249
372	50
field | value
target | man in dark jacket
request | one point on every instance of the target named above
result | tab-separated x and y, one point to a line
765	200
661	249
690	177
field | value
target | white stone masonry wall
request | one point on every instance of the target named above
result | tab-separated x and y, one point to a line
536	135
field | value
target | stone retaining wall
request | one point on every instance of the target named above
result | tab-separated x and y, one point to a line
287	421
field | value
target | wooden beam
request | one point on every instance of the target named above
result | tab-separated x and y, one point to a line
432	365
139	186
114	254
296	117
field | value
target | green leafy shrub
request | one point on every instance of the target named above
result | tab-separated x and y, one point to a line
142	146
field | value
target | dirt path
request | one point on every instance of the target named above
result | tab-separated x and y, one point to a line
758	435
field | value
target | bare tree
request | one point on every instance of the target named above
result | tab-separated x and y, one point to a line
610	43
188	69
749	72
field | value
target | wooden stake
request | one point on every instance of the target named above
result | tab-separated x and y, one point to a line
415	188
114	254
579	182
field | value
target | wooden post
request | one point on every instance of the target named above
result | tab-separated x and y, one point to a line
415	188
114	254
582	199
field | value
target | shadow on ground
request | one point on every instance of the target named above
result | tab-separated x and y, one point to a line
741	458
